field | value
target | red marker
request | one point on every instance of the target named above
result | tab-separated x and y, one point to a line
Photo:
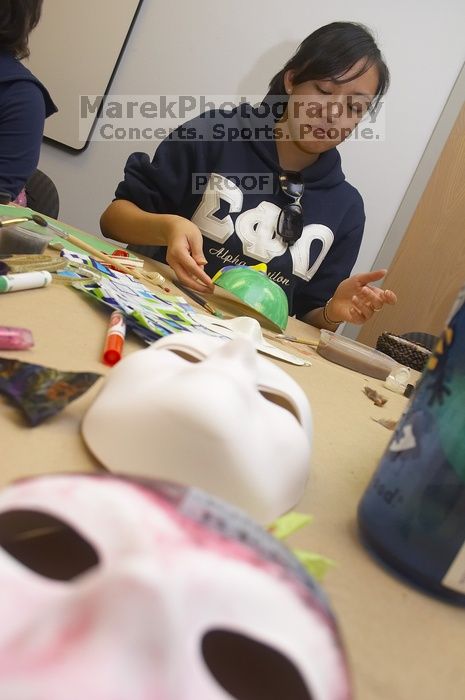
115	339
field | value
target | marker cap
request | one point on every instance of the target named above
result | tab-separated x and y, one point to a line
112	355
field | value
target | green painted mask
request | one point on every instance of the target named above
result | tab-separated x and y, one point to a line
254	288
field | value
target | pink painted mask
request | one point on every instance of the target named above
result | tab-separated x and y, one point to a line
116	589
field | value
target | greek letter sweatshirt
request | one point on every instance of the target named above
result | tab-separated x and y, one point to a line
221	170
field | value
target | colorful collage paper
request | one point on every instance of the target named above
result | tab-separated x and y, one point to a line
148	314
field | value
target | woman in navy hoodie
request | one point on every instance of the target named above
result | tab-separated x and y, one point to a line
265	184
24	101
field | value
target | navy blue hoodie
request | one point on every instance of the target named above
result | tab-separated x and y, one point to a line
24	105
237	210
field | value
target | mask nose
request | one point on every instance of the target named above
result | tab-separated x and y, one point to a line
237	357
122	618
129	597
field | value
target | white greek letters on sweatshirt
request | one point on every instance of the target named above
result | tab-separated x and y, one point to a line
256	228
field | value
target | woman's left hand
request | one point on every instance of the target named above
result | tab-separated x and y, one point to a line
355	301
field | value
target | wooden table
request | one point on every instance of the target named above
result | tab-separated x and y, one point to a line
402	644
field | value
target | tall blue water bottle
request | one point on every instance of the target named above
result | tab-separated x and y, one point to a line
413	511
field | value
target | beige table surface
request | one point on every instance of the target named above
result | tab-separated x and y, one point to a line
402	644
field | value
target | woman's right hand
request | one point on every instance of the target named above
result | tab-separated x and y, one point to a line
185	254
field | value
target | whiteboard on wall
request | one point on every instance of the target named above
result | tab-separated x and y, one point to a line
75	51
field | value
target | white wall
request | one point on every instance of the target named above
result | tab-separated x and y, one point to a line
235	48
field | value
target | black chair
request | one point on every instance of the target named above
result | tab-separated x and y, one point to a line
42	195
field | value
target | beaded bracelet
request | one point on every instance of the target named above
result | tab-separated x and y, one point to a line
325	315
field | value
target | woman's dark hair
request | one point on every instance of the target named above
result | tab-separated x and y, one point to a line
329	53
17	19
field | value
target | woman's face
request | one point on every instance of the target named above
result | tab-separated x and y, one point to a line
322	113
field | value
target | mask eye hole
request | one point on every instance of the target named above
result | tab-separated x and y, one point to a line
248	669
46	545
185	355
280	401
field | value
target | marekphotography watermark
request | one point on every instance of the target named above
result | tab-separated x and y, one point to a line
142	118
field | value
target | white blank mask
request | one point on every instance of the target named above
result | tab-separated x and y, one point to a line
206	413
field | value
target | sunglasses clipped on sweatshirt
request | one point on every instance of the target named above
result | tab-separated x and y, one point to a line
291	219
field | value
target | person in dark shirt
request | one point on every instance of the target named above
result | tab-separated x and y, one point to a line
24	101
308	224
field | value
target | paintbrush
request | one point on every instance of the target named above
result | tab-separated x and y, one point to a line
294	339
200	300
302	341
98	254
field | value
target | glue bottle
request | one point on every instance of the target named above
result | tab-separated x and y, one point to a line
24	280
413	511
